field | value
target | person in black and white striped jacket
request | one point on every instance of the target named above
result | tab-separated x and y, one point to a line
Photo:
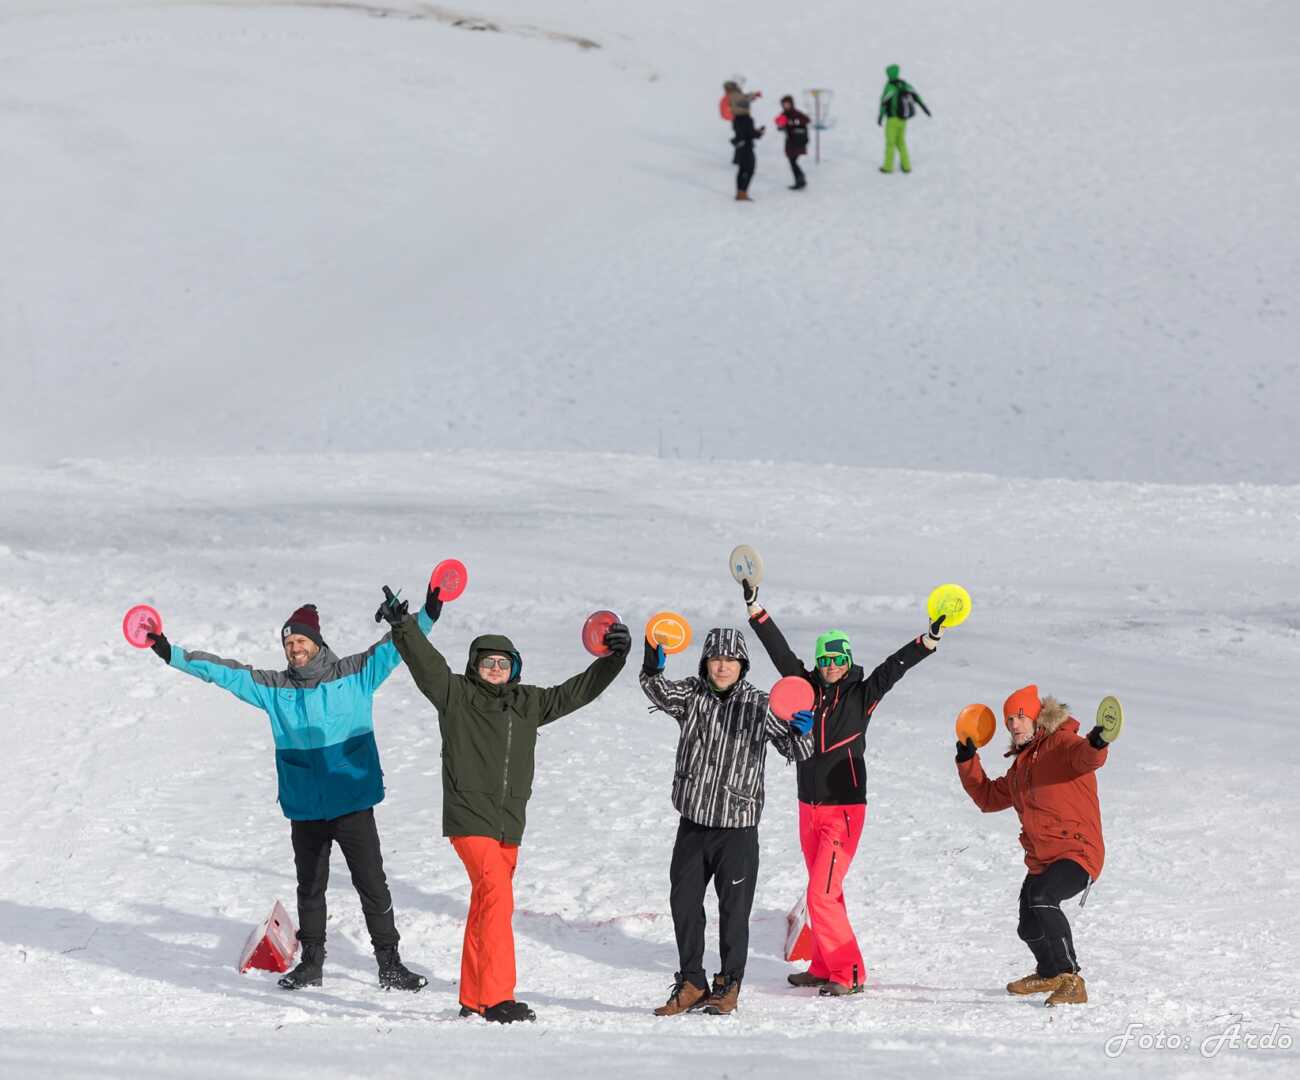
718	790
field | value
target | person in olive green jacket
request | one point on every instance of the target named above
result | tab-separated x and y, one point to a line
489	721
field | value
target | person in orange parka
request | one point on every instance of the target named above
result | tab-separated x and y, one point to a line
1052	784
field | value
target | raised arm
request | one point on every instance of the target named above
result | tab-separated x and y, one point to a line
674	698
887	674
774	643
582	689
246	683
989	795
381	659
427	665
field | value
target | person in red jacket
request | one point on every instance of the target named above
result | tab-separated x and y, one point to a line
795	125
1052	784
833	782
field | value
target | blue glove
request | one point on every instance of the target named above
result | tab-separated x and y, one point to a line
802	721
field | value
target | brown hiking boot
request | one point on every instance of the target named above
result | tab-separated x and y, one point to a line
683	997
805	978
1069	991
743	196
1033	983
725	997
834	989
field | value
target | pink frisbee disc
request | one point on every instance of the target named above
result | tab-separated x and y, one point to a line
451	577
140	621
594	631
789	696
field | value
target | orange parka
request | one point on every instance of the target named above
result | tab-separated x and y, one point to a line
1052	784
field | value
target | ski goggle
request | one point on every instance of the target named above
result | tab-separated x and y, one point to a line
839	660
499	663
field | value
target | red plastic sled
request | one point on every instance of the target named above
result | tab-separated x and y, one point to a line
595	629
789	696
451	577
139	622
271	946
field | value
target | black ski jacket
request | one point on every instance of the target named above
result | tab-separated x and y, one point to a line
836	774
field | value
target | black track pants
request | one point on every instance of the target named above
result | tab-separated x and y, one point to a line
1043	925
730	858
357	836
799	177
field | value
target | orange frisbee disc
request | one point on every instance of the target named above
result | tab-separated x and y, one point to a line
976	722
668	629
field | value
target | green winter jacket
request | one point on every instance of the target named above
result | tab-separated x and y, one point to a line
898	98
489	733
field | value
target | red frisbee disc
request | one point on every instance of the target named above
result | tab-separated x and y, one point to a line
140	621
451	577
595	629
789	696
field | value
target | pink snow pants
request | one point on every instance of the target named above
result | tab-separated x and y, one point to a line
829	838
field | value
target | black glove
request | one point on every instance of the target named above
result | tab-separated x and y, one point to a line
392	610
654	659
163	648
750	591
433	604
965	750
879	120
1095	738
618	639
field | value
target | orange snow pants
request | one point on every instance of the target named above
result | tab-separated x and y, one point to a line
829	837
487	959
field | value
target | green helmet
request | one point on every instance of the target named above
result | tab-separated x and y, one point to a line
834	643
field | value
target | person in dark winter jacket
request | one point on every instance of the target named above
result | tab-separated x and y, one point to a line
328	768
833	782
795	125
898	104
1052	784
489	722
718	791
744	160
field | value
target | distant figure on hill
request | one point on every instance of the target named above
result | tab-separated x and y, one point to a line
743	158
898	103
795	125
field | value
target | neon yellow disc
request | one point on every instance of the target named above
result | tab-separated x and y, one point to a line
950	600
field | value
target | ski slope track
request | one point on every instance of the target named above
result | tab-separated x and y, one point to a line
326	226
299	299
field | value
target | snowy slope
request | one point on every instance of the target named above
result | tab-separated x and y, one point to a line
304	227
140	838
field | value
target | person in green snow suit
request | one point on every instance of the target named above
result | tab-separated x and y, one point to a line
489	722
898	102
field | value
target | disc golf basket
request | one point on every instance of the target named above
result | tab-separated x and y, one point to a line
817	104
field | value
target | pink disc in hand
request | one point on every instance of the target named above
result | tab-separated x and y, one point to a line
140	621
450	577
789	696
595	629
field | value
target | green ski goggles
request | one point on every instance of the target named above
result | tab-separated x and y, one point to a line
839	660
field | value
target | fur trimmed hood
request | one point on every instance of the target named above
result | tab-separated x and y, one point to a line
1054	714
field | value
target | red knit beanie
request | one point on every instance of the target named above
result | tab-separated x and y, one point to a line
1025	700
304	621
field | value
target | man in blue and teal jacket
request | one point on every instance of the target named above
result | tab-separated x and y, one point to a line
328	768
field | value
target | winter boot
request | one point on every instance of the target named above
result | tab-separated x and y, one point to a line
393	974
724	998
1033	983
508	1012
834	989
805	978
309	969
683	997
743	196
465	1011
1069	991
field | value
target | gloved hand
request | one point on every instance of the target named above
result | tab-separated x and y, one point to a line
618	639
750	592
163	648
654	659
802	721
965	750
433	603
1097	738
931	639
880	121
392	610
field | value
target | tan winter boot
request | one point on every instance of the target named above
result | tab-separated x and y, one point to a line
1033	983
683	997
1070	991
725	997
743	196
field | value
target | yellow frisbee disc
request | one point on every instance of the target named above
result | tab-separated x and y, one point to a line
950	600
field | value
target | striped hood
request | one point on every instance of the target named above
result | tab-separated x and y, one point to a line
724	641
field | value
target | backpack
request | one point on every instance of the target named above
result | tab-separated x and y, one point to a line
724	107
905	103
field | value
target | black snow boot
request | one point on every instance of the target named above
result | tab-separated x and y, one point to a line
507	1012
309	969
393	974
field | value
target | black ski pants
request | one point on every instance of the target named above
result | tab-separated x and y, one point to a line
745	163
357	836
792	156
730	858
1043	925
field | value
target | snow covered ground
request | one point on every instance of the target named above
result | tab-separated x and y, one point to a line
299	299
141	839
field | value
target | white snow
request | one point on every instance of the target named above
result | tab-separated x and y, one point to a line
298	301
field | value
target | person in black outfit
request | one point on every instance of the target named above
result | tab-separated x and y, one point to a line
795	125
743	158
